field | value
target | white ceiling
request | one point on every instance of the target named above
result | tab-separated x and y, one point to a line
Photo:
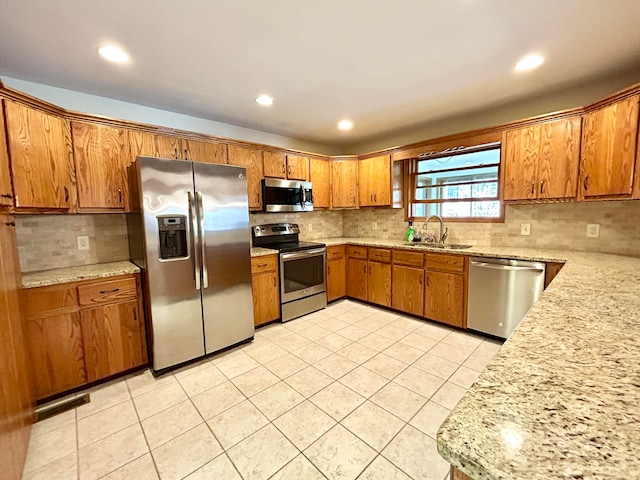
386	65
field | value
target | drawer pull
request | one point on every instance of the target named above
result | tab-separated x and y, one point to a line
102	292
10	224
261	265
7	195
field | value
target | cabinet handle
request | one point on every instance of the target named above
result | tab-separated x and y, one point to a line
369	269
186	154
533	188
427	278
365	268
283	168
274	280
328	269
175	153
120	195
289	170
420	279
541	186
102	292
66	194
135	315
262	265
10	224
585	182
7	195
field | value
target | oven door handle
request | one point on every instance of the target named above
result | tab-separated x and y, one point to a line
301	254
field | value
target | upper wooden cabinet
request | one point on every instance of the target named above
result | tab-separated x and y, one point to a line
100	155
609	137
6	192
320	177
41	158
344	183
541	161
144	144
297	167
374	178
251	159
282	165
208	152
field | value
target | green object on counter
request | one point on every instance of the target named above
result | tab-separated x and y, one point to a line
411	233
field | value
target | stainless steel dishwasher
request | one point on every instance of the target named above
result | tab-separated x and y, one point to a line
501	292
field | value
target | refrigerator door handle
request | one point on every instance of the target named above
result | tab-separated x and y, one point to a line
193	218
203	242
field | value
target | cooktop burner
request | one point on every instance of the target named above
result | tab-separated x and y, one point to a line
283	237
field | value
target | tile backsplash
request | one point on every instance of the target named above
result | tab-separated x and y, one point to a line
49	241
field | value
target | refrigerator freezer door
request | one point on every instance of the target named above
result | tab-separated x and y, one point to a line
227	303
174	298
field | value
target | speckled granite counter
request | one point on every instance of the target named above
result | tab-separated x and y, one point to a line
259	251
74	274
562	397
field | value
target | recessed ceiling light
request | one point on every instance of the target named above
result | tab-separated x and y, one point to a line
345	125
113	53
264	100
529	62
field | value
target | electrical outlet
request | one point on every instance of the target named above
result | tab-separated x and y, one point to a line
83	242
374	225
525	229
593	230
310	227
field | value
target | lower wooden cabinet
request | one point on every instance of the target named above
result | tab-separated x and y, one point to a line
336	274
266	289
81	332
444	298
357	278
408	289
379	283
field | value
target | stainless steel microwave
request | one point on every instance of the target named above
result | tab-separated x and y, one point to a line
286	195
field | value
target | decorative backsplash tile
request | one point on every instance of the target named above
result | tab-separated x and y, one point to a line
313	225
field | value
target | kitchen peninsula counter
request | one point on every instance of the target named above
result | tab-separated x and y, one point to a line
75	274
560	399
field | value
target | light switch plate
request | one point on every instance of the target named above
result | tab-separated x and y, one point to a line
593	230
374	225
83	242
310	227
525	229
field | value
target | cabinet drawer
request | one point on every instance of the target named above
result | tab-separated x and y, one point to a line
410	259
356	252
444	262
335	253
46	300
266	263
107	292
380	255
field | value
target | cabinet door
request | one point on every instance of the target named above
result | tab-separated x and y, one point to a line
56	353
365	182
444	298
521	163
320	177
275	164
344	183
559	158
266	299
407	289
144	144
111	337
609	138
251	159
41	157
6	192
374	179
297	167
379	283
99	154
357	278
208	152
336	279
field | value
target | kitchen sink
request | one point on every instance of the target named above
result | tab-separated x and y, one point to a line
447	246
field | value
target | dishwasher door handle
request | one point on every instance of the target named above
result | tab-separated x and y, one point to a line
494	266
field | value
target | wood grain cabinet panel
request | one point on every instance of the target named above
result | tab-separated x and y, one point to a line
357	278
6	191
444	298
297	167
41	158
408	289
207	152
275	164
99	153
251	159
541	161
379	283
144	144
336	279
265	287
112	339
609	137
320	177
344	183
374	180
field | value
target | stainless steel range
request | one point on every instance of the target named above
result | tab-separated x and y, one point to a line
303	287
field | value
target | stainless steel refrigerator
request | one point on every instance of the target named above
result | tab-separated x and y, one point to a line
189	233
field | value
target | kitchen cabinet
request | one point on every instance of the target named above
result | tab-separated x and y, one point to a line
374	180
445	288
552	269
357	272
379	277
541	161
81	332
283	165
344	183
207	152
6	192
100	156
251	159
407	288
144	144
16	395
266	289
41	158
297	167
608	157
320	177
336	272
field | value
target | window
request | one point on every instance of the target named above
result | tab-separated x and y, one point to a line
456	185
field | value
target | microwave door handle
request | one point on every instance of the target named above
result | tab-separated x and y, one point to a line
303	195
193	220
203	242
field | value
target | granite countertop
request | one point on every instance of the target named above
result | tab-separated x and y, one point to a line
74	274
259	251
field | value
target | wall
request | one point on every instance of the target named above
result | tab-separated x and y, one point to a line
324	224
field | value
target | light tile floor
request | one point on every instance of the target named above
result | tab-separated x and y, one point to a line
350	392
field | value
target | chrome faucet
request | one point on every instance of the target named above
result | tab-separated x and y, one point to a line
443	235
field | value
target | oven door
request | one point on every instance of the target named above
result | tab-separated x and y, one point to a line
302	274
